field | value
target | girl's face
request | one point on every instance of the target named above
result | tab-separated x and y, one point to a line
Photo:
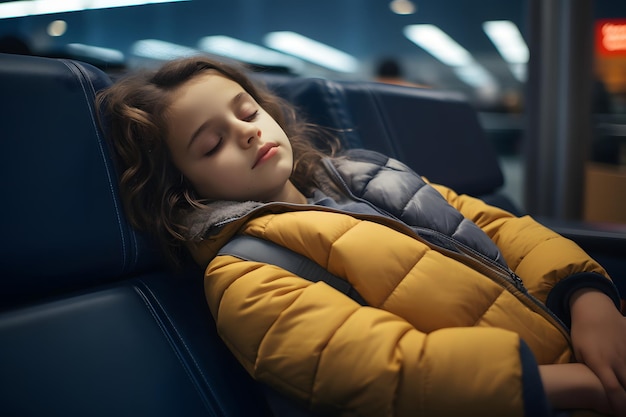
226	145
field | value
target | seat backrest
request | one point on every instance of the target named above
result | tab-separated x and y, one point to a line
437	133
91	321
62	220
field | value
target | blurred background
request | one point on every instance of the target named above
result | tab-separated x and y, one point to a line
508	57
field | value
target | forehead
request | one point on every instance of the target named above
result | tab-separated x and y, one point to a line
206	90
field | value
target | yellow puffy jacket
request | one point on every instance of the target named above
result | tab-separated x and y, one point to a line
444	331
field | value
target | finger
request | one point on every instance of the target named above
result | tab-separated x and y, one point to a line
615	392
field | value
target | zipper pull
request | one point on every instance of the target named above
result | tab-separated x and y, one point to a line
517	281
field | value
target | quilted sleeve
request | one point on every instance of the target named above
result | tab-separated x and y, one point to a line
540	256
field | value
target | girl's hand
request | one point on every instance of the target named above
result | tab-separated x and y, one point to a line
573	386
599	339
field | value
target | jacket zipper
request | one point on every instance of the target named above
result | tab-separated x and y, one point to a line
500	274
509	276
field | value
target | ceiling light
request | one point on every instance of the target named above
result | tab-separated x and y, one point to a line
440	45
437	43
12	9
247	52
161	50
297	45
402	7
97	52
509	42
476	76
57	28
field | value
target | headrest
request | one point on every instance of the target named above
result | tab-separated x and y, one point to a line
61	219
437	133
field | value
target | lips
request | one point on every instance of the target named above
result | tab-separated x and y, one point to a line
265	152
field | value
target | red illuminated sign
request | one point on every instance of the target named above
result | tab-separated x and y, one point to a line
611	37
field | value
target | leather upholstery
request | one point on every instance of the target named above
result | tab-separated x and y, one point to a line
436	133
62	221
91	322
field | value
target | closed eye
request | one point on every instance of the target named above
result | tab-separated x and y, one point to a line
214	149
252	116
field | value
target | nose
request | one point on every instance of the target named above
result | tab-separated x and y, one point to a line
248	132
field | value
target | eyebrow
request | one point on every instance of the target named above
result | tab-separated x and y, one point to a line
233	102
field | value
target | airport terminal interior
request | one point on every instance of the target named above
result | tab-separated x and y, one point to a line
520	103
486	50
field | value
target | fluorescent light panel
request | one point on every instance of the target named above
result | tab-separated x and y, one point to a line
13	9
105	54
308	49
440	45
509	42
247	52
475	75
161	50
437	43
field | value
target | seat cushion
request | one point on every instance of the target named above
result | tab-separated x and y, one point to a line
145	347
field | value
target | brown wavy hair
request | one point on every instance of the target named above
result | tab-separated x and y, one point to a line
154	193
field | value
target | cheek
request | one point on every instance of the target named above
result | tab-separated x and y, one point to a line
289	153
209	183
217	181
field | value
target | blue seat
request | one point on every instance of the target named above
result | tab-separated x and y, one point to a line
437	133
91	322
